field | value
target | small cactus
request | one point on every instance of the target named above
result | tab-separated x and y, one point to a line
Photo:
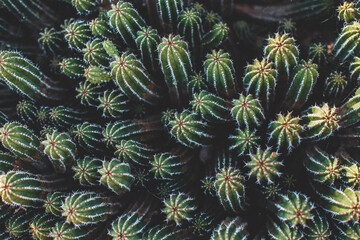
243	141
95	54
196	83
318	228
53	202
88	136
26	110
85	6
86	170
18	224
189	26
88	93
100	27
41	225
127	226
179	208
169	10
64	117
317	53
50	40
133	152
229	229
247	111
77	34
216	36
166	166
147	42
348	41
114	104
64	231
335	85
97	75
348	12
72	67
355	69
283	231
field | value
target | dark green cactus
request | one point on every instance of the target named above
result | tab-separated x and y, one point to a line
64	231
189	26
355	69
97	75
86	170
53	202
166	166
216	36
50	40
335	85
347	42
317	52
229	229
243	141
179	208
41	225
133	152
88	136
17	225
77	34
318	228
169	10
147	42
283	231
88	93
196	83
95	54
127	226
114	104
64	117
85	6
247	111
26	110
348	12
72	67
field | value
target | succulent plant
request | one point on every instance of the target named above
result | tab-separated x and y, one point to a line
17	224
283	231
64	230
348	12
247	111
166	166
335	84
318	228
217	35
133	152
189	26
127	226
147	42
178	208
84	6
169	10
243	141
229	229
88	136
72	67
41	225
53	202
86	170
77	34
347	42
317	52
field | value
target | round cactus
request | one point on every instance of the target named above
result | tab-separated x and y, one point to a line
260	81
88	135
335	85
72	67
348	41
229	229
66	231
133	152
26	110
147	42
77	34
230	189
281	50
169	10
287	25
355	69
60	149
165	232
264	165
173	52
302	85
8	162
82	208
285	132
189	26
317	53
116	175
321	122
100	27
127	226
64	116
189	130
50	40
166	166
88	93
295	209
85	6
317	227
18	224
95	54
20	140
86	170
179	208
114	104
348	12
350	110
216	36
283	231
219	71
97	75
124	18
211	107
133	80
243	141
21	189
41	225
53	202
247	111
196	83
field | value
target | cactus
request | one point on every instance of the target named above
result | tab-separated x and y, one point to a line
64	116
125	20
318	228
53	202
166	166
179	208
26	110
218	34
243	141
165	232
169	10
317	53
355	69
116	175
335	85
97	75
147	42
229	230
285	132
127	226
41	225
114	104
85	6
302	85
219	72
260	81
350	110
348	12
196	83
82	208
77	34
283	231
50	40
189	130
95	54
347	42
60	149
100	27
8	162
88	93
173	52
189	26
88	136
281	50
295	209
287	25
20	140
212	108
21	189
133	152
247	111
324	167
72	67
65	230
17	224
230	190
264	165
86	170
133	80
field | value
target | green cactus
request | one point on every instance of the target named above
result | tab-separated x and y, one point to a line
88	93
349	231
50	40
169	10
229	229
189	26
348	12
8	162
85	6
165	232
77	34
127	226
350	171
125	20
219	72
53	202
72	67
285	132
287	25
189	130
67	231
22	189
282	231
179	208
247	111
88	136
64	117
116	175
21	75
350	110
348	41
196	83
243	141
43	115
26	110
281	50
216	36
60	149
317	228
335	85
95	54
321	122
295	209
173	52
131	77
86	170
166	166
211	107
41	225
134	152
100	27
324	167
82	208
201	223
260	81
17	225
264	165
230	189
302	85
97	75
317	53
147	42
114	104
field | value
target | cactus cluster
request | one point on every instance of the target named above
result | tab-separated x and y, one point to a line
179	119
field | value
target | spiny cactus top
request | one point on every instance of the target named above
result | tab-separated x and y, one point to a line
166	166
189	26
85	6
178	208
77	34
281	50
41	225
348	41
243	141
127	226
229	230
147	42
247	111
335	84
348	12
53	202
216	36
317	52
169	10
133	152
